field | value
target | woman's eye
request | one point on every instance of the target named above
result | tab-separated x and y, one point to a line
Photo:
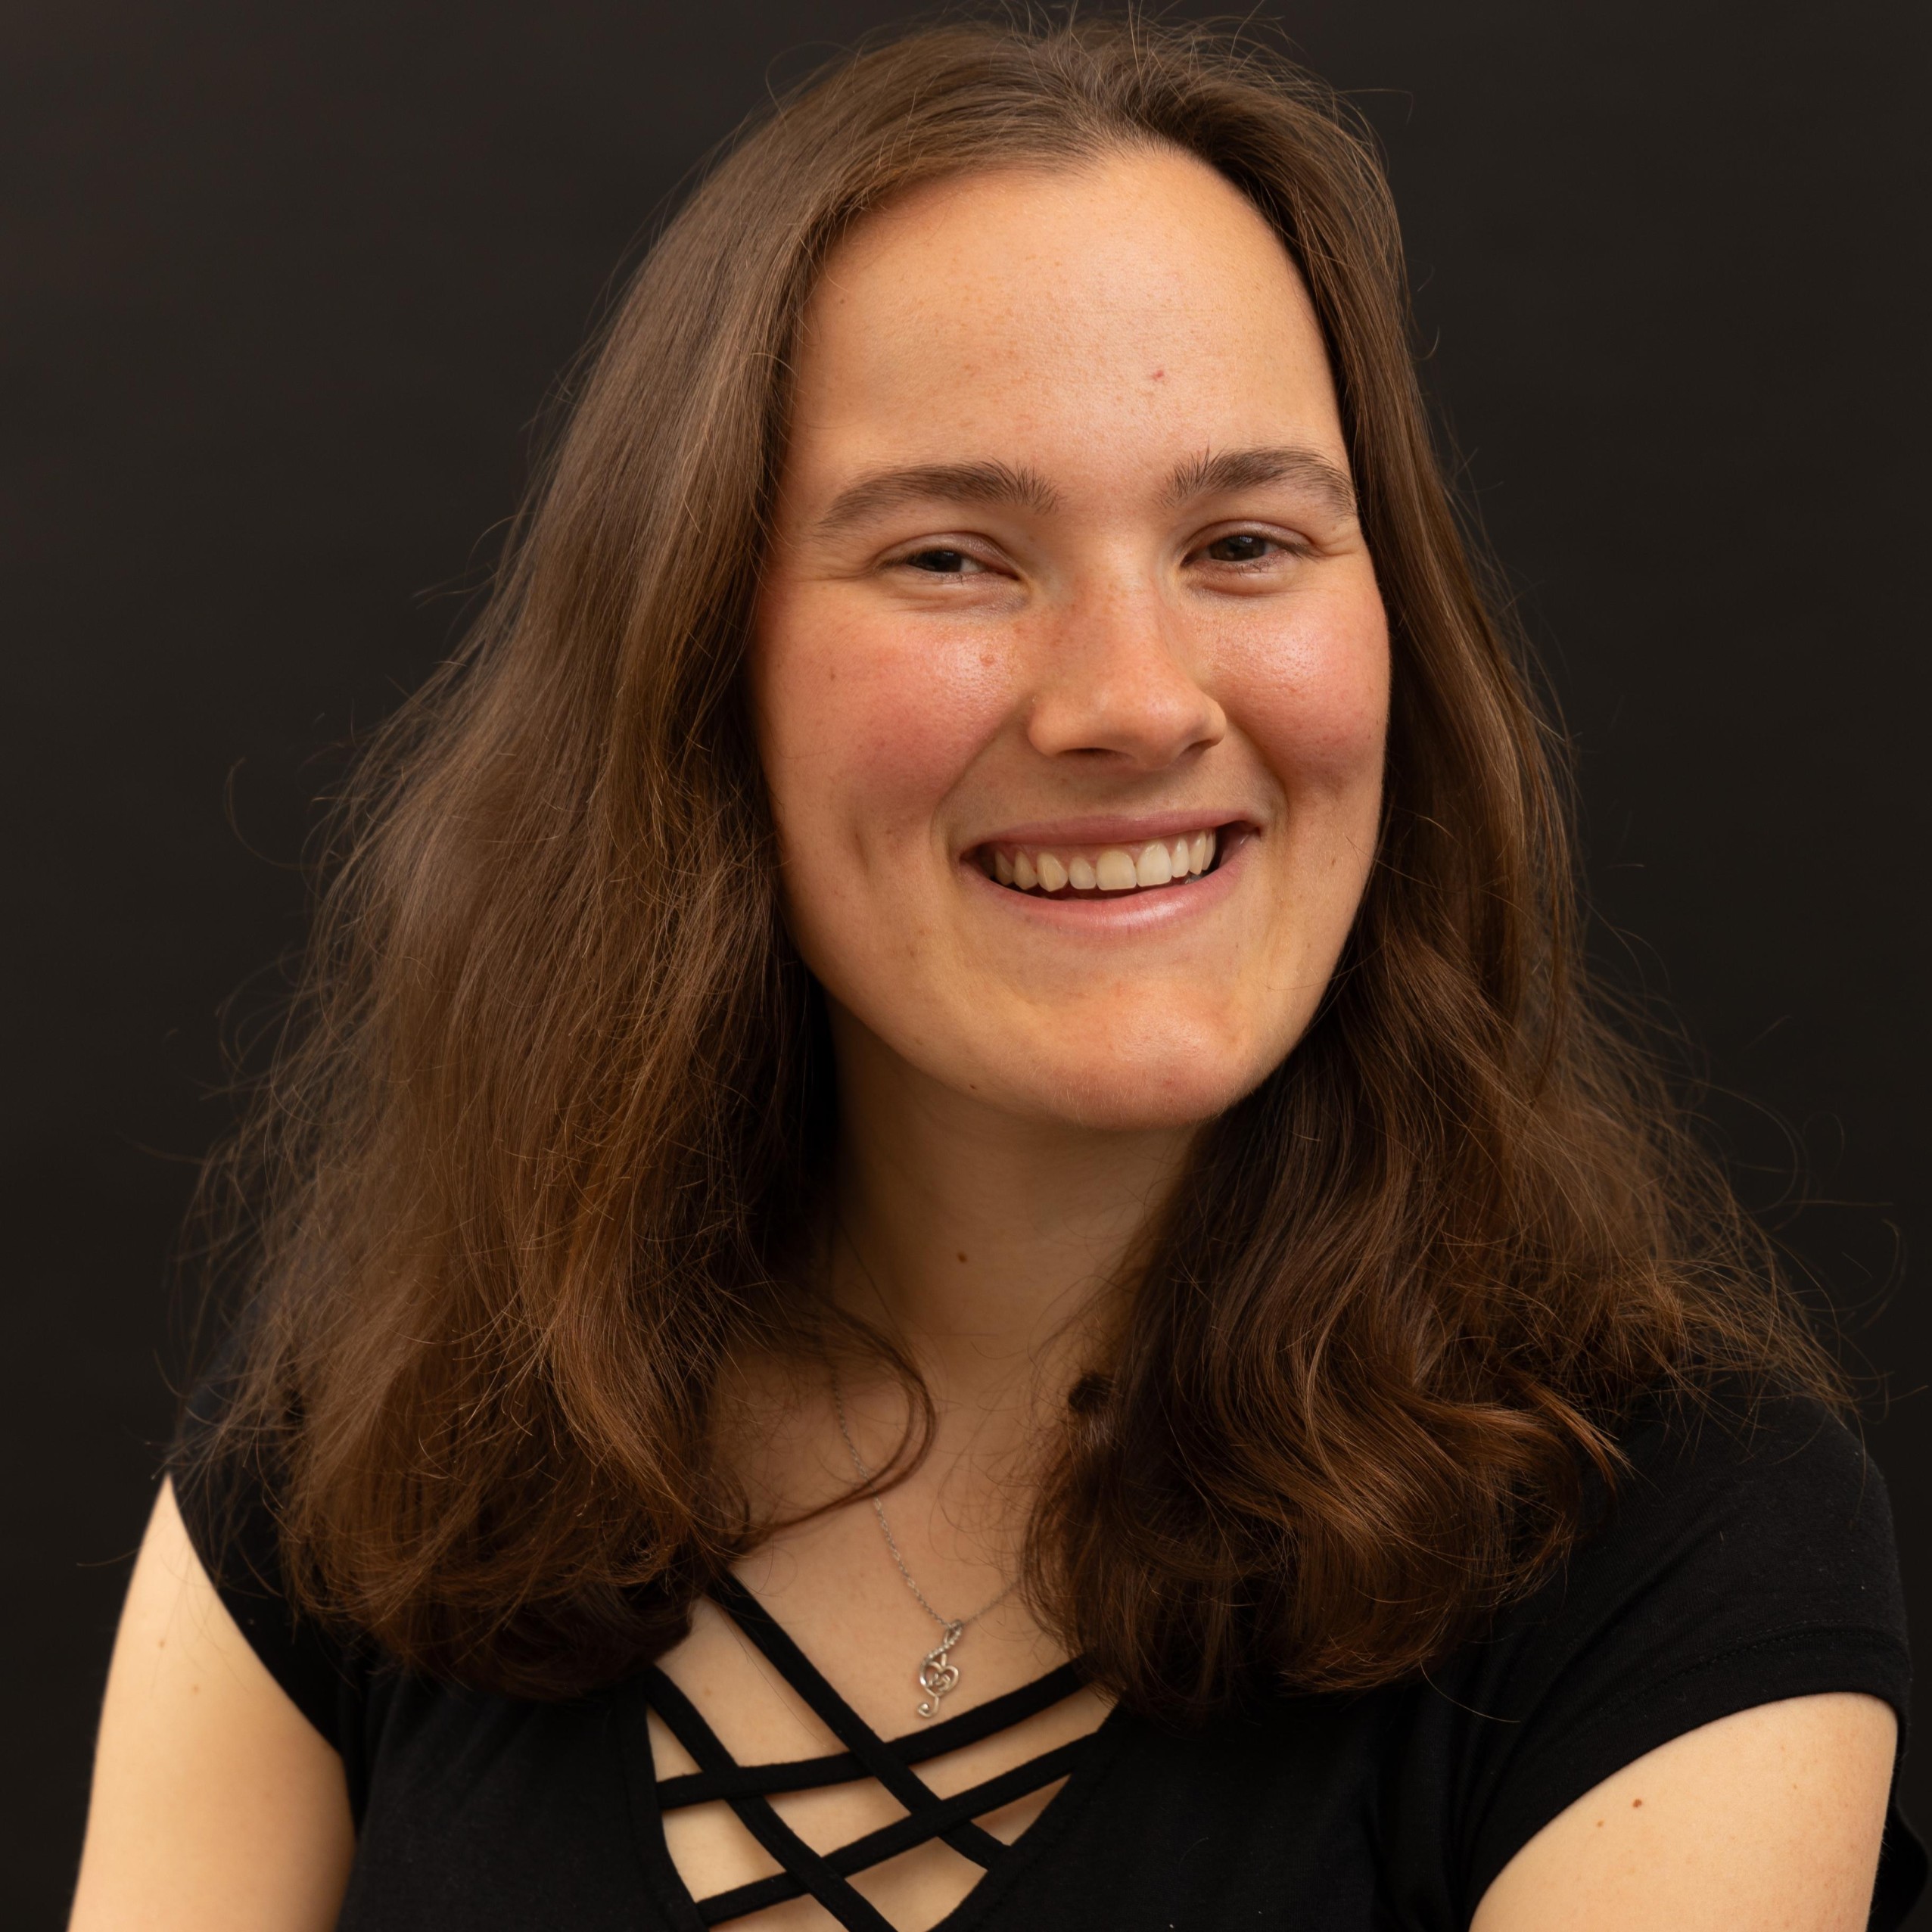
942	562
1243	548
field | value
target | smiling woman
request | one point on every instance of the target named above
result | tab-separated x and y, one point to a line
949	1237
1142	618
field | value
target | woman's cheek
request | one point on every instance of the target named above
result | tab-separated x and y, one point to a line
881	715
1314	700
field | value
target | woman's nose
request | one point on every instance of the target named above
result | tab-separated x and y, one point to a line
1111	680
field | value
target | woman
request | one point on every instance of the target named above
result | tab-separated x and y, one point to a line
950	1239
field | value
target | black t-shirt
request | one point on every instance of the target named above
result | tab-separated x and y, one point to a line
1745	1561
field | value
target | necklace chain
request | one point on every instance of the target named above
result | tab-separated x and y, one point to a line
938	1674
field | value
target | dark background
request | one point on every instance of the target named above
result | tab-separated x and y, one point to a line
285	288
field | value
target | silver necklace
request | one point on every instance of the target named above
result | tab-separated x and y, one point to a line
938	1675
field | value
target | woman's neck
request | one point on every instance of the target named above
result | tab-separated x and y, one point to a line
983	1242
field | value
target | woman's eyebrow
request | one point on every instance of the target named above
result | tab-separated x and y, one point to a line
1208	474
960	482
991	482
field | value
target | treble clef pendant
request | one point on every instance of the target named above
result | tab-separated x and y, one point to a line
938	1674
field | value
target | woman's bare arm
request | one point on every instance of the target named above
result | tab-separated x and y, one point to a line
217	1806
1769	1820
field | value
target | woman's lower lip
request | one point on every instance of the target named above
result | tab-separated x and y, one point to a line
1094	913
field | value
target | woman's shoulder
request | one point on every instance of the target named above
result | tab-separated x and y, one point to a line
225	1487
1743	1555
1741	1514
1744	1552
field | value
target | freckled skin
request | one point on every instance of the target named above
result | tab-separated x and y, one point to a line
1099	330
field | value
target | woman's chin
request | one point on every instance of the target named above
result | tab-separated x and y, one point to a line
1129	1092
1137	1065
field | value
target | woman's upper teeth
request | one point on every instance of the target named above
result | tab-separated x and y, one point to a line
1103	868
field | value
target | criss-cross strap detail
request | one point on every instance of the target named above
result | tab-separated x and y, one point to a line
875	1847
951	1734
844	1723
805	1870
747	1788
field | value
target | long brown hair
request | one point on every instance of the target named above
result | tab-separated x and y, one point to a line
536	1154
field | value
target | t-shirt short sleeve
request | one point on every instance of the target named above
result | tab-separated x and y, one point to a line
227	1504
1746	1557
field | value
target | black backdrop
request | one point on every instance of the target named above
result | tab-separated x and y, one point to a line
285	288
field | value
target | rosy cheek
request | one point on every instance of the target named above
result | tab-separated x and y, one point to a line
871	719
1314	699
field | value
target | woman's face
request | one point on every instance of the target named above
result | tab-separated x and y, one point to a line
1070	672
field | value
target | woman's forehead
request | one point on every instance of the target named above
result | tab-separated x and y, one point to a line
1128	301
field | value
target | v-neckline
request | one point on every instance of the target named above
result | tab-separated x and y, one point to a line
887	1762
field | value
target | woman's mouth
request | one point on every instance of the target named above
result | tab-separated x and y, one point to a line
1065	871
